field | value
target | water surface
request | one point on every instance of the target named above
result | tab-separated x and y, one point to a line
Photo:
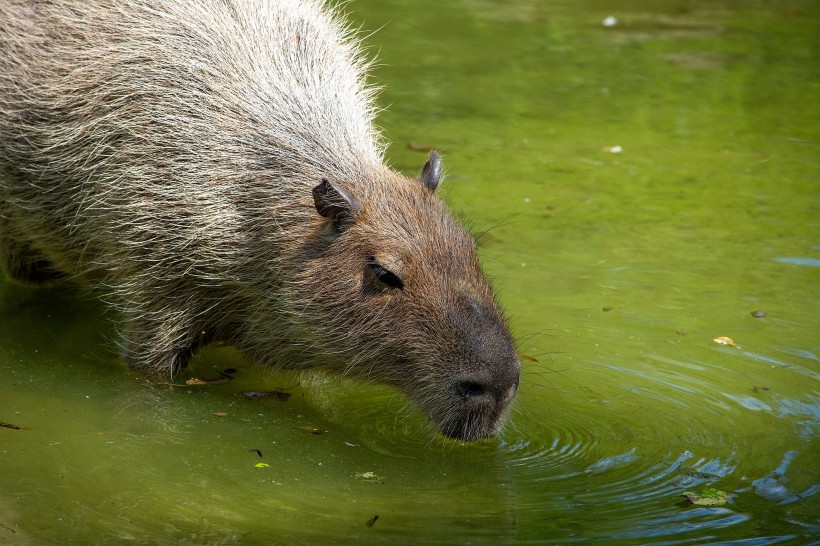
638	190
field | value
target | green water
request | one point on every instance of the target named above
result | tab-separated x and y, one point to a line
617	271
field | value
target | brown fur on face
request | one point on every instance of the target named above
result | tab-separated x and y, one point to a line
401	294
213	170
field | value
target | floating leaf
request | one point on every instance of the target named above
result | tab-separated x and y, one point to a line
723	340
312	430
528	357
220	414
708	497
262	465
372	520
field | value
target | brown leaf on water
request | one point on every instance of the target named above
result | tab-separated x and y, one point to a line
312	430
528	357
220	414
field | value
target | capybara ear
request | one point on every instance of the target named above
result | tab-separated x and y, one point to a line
431	172
334	203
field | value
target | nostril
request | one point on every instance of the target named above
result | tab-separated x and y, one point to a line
470	389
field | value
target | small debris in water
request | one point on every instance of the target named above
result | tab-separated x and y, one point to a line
700	475
220	414
368	476
528	357
12	427
607	308
612	149
708	497
609	21
258	452
372	521
258	395
312	430
416	147
262	465
681	332
759	313
723	340
197	381
759	388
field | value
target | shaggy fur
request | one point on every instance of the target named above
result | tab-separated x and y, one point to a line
172	154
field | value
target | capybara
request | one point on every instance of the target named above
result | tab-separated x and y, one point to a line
211	168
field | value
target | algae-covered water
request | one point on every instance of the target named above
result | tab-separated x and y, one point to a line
641	185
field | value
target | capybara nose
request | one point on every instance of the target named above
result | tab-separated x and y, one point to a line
480	391
470	389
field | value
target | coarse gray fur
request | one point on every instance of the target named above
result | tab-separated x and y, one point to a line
212	169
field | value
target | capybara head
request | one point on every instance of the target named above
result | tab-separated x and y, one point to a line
395	287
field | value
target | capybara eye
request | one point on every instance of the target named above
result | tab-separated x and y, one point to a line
384	276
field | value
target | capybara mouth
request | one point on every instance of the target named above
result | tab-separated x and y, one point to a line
466	432
470	427
475	416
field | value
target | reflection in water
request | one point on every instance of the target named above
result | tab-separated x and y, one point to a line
773	487
811	262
